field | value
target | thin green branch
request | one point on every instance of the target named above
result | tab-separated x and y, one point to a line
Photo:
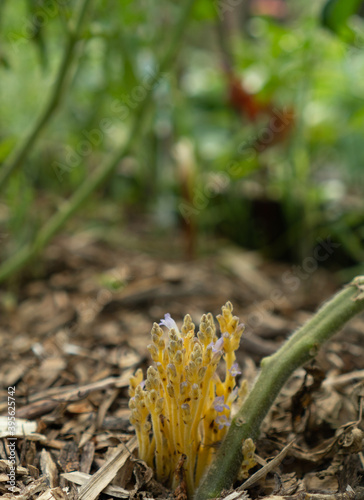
20	153
301	347
98	177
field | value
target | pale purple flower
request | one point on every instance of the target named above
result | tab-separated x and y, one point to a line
142	384
219	404
222	421
169	322
217	346
235	370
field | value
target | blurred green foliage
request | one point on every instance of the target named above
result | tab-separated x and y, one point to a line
278	199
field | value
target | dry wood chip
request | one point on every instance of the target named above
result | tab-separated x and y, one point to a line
33	471
82	478
49	468
98	482
50	369
13	372
261	473
88	433
46	401
69	457
340	381
23	427
53	494
29	491
105	405
82	407
87	457
303	495
321	481
20	471
66	393
237	495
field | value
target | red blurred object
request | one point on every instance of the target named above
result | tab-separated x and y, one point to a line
278	128
241	100
272	8
279	121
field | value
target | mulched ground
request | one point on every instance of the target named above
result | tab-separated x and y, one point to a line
70	341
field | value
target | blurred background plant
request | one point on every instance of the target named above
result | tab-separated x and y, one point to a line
253	132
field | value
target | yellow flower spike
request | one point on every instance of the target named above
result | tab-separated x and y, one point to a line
183	407
188	343
134	381
248	458
155	407
210	320
156	330
188	325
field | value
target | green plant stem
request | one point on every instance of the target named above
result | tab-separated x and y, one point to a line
98	177
20	153
301	347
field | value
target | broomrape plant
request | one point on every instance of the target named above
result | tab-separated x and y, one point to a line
184	405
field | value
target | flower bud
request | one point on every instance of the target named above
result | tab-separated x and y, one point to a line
201	337
170	390
153	352
172	372
195	391
216	357
159	405
183	388
201	373
161	344
152	372
178	359
156	330
187	324
152	397
172	335
186	413
198	361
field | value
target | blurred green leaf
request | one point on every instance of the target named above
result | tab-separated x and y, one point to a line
335	16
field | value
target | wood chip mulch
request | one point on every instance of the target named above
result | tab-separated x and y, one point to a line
70	340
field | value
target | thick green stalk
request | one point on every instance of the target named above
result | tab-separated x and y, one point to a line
20	153
301	347
99	176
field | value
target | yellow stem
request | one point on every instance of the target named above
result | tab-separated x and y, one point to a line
158	445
